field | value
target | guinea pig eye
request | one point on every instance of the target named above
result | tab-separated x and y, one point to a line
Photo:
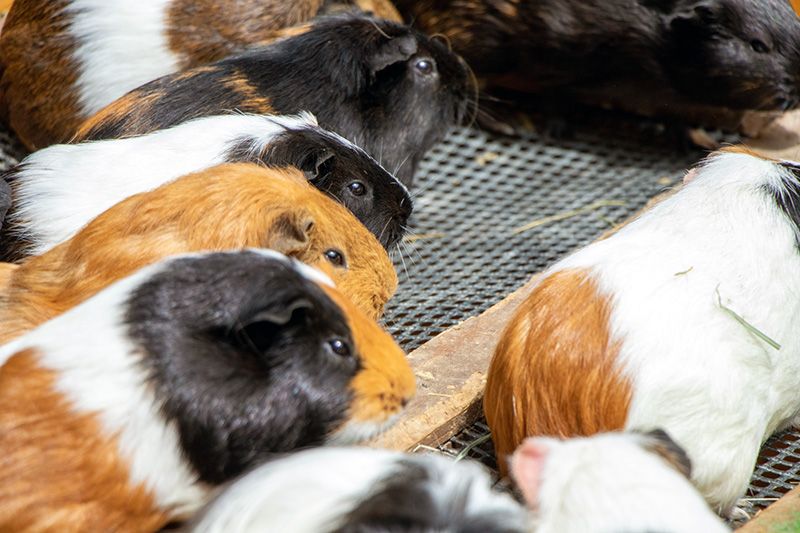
759	46
335	257
340	347
424	66
357	188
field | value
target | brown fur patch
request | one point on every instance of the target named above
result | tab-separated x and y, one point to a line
660	443
37	94
380	8
554	370
58	471
203	31
386	382
255	102
130	108
746	150
227	207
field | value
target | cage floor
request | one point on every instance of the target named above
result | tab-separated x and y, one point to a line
473	194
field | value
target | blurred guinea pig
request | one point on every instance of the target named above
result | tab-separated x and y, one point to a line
226	207
358	490
384	86
124	412
64	60
685	319
658	56
59	189
613	482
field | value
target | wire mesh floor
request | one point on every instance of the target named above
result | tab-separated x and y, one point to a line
475	190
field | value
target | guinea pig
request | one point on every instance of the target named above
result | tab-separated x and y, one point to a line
384	86
123	413
685	319
349	490
64	60
612	482
662	56
226	207
59	189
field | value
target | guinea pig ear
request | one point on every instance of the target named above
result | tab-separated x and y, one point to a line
659	442
695	16
259	330
317	164
526	466
395	50
290	233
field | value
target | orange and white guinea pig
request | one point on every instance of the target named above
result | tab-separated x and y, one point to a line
358	490
686	320
226	207
611	482
64	60
123	413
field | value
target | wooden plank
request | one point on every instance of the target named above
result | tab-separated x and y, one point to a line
782	516
451	375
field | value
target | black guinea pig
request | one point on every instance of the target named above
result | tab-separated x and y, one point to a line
382	85
661	57
61	188
124	412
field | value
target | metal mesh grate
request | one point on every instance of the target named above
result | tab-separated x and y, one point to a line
475	189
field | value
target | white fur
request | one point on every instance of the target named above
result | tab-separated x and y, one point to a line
312	491
716	388
100	371
121	44
59	189
610	484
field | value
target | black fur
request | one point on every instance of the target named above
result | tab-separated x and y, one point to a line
668	57
787	197
356	74
5	199
413	500
383	205
237	347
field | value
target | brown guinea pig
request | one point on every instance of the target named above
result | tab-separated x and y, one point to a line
123	413
384	86
660	57
226	207
64	60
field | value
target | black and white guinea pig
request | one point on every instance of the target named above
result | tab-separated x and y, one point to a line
59	189
124	412
662	57
384	86
685	319
611	483
359	490
88	53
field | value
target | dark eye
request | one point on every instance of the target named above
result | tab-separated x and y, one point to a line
424	66
340	347
759	46
357	188
335	257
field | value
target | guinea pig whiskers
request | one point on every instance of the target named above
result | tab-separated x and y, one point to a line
403	261
400	166
476	93
379	29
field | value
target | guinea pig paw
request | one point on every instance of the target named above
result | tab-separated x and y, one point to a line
738	514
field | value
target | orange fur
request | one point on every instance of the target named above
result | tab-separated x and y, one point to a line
386	382
122	107
553	372
58	471
36	66
226	207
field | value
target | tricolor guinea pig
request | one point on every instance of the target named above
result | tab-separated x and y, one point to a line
685	319
358	490
611	483
59	189
665	57
64	60
384	86
123	413
226	207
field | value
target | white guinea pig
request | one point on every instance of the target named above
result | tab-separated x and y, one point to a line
60	189
611	483
686	320
362	490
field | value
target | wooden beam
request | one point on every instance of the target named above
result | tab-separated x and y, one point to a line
782	516
451	375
